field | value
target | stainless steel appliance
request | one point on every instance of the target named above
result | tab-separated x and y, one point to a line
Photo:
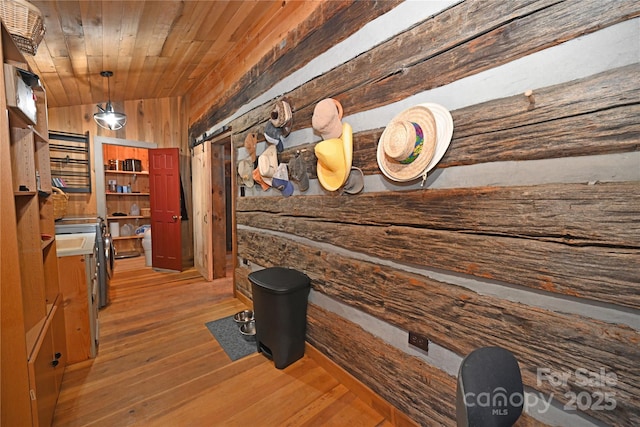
104	249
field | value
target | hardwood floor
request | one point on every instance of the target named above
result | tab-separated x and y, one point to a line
158	365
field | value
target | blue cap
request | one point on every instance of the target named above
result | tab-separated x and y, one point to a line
285	186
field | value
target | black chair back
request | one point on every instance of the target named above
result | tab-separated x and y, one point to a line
489	389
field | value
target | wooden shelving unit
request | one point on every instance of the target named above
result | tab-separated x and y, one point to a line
32	337
135	236
138	183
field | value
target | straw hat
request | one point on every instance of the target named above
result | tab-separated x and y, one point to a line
245	169
334	159
444	130
408	144
327	116
268	163
281	114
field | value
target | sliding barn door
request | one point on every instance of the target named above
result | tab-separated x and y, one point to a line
202	234
219	208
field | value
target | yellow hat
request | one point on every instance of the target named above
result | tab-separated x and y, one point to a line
334	159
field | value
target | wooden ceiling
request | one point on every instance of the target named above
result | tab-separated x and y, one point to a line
155	49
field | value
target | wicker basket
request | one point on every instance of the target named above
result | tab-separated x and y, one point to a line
24	22
60	201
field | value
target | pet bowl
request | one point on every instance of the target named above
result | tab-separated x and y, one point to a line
248	329
243	316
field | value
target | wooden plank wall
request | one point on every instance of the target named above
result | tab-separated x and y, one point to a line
218	95
565	241
162	121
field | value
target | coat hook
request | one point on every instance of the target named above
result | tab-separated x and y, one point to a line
529	94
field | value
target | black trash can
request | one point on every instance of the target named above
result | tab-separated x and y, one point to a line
280	309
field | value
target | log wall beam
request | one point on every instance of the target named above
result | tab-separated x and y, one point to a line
462	320
571	239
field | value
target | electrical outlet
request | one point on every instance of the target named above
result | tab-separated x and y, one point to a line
419	341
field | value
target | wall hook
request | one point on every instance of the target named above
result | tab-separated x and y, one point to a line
529	95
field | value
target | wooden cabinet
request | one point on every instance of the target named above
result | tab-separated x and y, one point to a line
31	312
46	366
127	197
79	286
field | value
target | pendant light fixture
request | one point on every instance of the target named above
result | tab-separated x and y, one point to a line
107	117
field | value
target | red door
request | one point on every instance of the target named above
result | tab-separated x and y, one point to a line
164	183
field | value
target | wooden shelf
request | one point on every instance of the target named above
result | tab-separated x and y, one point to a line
115	218
109	171
39	137
11	52
126	194
46	243
135	236
19	119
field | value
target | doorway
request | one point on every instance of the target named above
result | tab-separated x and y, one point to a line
213	199
122	210
99	142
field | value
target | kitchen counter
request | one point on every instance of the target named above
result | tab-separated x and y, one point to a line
75	244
